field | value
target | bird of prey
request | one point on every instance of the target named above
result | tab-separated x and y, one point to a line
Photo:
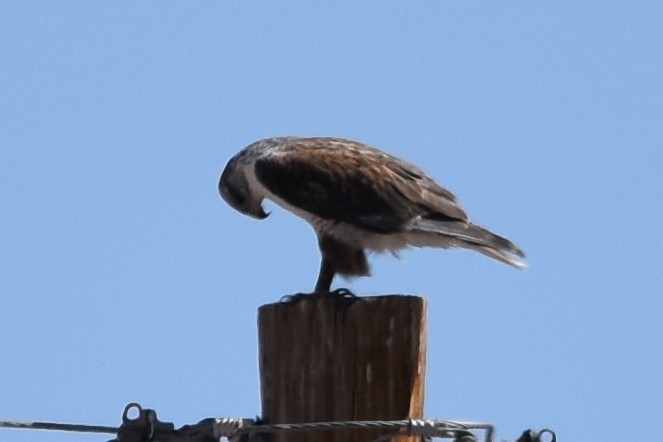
357	198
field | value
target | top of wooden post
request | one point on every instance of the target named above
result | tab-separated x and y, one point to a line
334	358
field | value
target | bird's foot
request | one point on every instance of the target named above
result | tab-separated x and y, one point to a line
338	294
343	294
295	297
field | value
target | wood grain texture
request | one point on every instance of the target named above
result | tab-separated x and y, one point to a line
328	359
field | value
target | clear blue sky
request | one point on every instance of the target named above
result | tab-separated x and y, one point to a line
124	277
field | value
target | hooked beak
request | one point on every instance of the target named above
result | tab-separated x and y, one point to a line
258	212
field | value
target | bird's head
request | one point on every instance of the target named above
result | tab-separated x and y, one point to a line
237	192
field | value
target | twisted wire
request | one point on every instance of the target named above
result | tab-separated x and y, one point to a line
233	427
415	427
79	428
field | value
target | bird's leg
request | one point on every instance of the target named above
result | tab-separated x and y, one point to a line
322	286
325	277
336	257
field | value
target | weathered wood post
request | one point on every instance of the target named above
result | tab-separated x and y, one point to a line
331	359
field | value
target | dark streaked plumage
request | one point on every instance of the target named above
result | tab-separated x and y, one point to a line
357	198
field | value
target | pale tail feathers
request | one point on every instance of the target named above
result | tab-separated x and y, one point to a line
453	234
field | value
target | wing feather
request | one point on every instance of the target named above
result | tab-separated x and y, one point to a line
341	180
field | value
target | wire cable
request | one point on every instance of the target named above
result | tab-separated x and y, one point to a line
58	427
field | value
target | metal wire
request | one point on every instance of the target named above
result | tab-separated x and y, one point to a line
232	427
58	427
413	427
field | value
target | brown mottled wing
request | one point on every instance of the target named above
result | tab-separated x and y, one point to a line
356	184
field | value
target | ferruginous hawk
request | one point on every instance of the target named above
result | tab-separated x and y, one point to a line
357	198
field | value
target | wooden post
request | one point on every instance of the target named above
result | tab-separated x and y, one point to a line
331	359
